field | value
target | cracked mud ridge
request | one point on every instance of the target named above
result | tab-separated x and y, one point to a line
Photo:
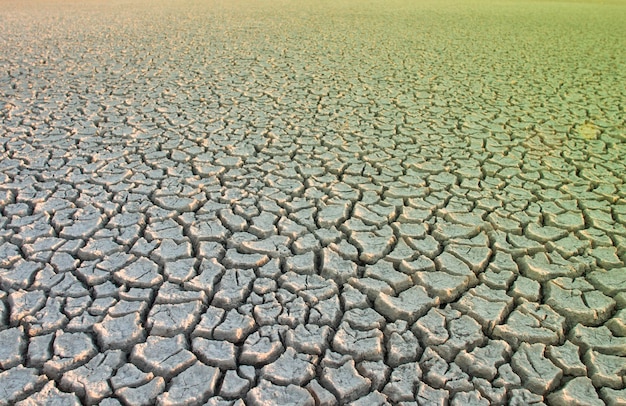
280	203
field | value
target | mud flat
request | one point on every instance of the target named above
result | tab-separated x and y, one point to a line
229	203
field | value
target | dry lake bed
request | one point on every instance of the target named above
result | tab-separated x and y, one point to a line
312	203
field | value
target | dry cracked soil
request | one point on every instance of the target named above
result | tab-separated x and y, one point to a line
312	203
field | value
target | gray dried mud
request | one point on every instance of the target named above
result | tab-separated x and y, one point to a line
257	203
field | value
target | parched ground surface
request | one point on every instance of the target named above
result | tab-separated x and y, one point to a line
285	202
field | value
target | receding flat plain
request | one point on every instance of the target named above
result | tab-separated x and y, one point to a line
312	203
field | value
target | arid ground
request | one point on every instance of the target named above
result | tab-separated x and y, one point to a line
312	203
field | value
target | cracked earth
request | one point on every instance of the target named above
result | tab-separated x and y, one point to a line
257	203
